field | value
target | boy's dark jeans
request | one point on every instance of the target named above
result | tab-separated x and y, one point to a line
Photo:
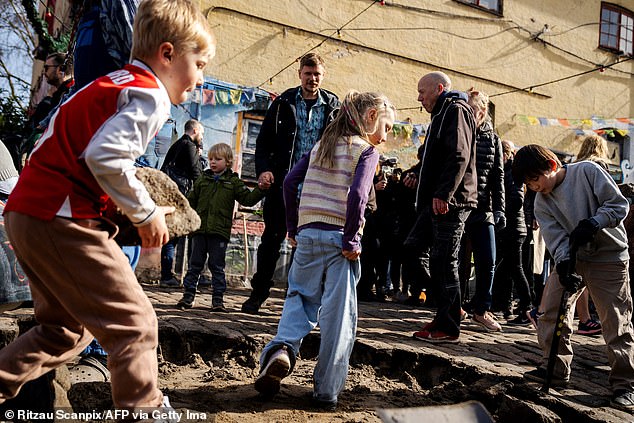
203	246
437	238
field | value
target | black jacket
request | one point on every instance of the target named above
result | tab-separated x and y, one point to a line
184	154
515	220
448	171
276	140
490	175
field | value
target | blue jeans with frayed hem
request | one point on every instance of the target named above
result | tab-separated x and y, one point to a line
321	291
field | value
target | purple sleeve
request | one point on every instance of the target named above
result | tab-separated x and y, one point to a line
358	198
291	186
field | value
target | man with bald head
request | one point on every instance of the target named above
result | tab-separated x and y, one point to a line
446	193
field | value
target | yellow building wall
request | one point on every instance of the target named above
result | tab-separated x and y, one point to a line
259	41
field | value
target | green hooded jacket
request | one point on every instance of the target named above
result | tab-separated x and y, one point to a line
213	199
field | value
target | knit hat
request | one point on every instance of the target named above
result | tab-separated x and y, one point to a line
8	173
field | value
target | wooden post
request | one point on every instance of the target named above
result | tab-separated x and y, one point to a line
246	250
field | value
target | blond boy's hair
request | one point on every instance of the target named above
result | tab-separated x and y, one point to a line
175	21
221	151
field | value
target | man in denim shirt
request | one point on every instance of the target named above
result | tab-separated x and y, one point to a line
293	124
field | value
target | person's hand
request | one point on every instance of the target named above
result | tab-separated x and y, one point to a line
380	186
155	233
265	180
499	220
292	242
351	255
440	206
410	180
584	232
570	280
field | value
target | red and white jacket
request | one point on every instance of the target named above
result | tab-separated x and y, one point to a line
87	153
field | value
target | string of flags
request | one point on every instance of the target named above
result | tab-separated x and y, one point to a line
217	93
622	126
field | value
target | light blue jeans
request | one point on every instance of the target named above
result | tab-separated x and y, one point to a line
321	290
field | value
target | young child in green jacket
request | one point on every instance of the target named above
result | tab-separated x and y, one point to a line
213	197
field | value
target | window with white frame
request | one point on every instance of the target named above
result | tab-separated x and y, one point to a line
617	28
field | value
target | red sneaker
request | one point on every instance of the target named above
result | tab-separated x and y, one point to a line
435	336
429	326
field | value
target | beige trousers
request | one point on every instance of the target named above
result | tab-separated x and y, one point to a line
609	287
82	285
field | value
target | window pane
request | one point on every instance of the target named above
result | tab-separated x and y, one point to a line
626	34
609	29
603	41
489	4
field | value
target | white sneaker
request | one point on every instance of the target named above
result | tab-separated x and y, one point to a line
166	413
276	369
487	321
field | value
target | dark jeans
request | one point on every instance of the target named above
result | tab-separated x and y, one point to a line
482	238
204	246
511	272
437	237
274	233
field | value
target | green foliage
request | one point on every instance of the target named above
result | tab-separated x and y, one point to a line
12	115
48	44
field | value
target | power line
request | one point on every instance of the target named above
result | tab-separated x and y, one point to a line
532	87
533	37
518	26
373	49
554	81
337	31
421	28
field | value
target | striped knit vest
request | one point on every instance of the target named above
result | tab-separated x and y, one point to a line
325	190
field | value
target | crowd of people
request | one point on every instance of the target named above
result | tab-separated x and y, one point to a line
361	228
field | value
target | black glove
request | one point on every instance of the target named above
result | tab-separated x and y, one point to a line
499	220
584	232
569	280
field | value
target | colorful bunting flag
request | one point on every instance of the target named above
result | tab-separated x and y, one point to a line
209	97
580	126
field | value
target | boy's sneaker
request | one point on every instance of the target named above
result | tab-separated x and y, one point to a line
187	301
463	315
589	327
217	304
276	369
165	413
521	320
533	315
435	336
623	400
487	321
539	375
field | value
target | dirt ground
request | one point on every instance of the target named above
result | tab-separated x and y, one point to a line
223	393
226	394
